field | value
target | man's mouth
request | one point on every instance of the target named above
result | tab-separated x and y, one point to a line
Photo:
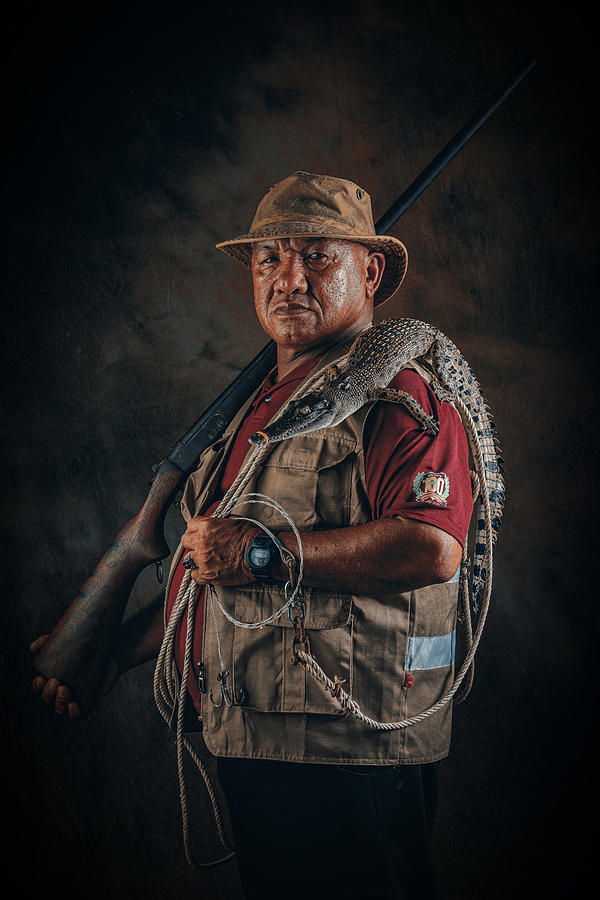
290	308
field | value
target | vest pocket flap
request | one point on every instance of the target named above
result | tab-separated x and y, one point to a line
324	610
311	452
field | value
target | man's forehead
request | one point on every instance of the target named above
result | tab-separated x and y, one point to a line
299	243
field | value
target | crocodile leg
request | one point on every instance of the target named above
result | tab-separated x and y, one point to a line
428	423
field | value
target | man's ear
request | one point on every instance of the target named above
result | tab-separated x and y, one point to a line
374	272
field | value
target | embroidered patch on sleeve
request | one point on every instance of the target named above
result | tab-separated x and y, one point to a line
431	487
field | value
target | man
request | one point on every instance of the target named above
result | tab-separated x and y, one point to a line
320	803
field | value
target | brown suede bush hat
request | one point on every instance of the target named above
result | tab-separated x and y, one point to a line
306	205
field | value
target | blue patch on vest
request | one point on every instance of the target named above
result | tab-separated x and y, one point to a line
435	652
455	577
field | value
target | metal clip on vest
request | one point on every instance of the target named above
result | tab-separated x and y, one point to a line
296	614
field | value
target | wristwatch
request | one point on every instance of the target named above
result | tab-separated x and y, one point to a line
260	553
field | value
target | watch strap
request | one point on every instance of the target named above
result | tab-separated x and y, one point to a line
287	557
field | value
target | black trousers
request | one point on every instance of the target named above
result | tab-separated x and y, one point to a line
325	831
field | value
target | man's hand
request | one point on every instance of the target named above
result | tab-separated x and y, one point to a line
217	547
58	695
138	641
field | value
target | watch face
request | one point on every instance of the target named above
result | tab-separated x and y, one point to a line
259	556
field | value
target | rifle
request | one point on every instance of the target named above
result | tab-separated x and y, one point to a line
96	612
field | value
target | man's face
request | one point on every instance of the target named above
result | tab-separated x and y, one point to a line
309	291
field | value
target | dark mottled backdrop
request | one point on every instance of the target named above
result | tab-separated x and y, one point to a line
135	141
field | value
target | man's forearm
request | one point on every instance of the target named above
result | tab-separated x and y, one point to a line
374	558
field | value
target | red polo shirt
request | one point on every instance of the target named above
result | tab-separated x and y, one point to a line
408	473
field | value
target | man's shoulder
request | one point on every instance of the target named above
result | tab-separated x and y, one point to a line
419	388
406	378
414	384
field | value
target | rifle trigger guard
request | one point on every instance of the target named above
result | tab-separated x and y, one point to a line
159	570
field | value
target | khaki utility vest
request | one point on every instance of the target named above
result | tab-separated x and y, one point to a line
395	652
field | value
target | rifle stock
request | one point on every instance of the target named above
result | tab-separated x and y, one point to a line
74	651
81	640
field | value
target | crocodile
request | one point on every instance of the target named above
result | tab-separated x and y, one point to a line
362	376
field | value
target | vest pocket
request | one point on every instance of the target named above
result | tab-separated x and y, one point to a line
262	657
311	477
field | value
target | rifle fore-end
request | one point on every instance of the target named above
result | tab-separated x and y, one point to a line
82	641
84	637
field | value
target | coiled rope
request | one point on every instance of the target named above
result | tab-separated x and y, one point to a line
166	696
333	686
165	679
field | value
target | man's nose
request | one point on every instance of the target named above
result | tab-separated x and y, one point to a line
291	277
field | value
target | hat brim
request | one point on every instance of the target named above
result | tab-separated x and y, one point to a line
396	255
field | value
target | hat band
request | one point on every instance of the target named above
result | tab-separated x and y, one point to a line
314	222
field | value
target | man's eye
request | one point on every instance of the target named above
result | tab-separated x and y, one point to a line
316	260
269	259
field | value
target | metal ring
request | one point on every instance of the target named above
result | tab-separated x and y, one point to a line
189	563
298	607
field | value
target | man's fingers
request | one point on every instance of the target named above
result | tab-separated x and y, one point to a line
38	643
62	699
216	547
53	692
49	690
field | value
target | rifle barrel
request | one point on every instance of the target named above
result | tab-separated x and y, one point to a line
213	421
406	199
76	650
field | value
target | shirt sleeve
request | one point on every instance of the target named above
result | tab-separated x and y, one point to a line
409	472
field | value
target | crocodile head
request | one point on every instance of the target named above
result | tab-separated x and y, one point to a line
308	413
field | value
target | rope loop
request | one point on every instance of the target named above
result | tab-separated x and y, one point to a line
170	696
167	698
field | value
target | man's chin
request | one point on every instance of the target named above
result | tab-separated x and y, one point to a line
297	332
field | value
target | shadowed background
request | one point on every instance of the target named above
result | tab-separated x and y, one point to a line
136	142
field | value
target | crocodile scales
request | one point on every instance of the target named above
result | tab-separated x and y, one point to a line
362	375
